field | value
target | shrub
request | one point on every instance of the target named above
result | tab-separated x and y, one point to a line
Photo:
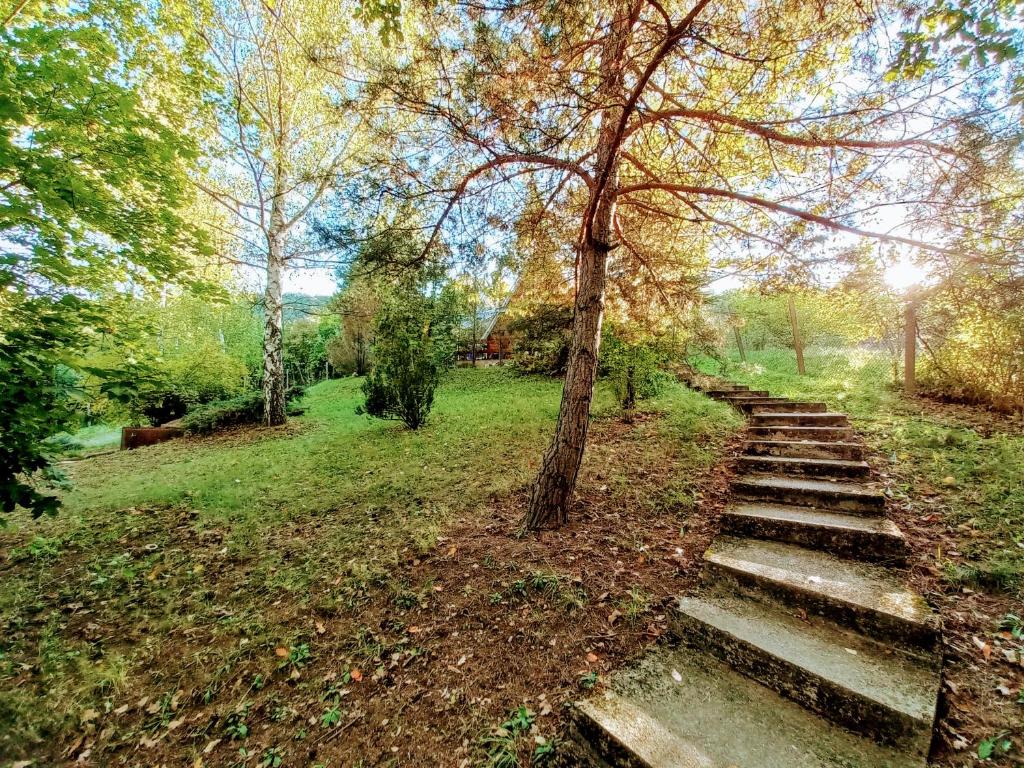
246	408
242	409
414	343
632	366
542	339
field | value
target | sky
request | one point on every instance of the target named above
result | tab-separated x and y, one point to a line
312	282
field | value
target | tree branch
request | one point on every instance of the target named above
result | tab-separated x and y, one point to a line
760	202
784	138
529	159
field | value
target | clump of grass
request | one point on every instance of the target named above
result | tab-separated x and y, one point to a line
503	744
635	605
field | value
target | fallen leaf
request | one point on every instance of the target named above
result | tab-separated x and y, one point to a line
210	746
985	648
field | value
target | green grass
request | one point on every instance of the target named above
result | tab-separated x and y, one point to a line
231	536
970	461
98	437
338	459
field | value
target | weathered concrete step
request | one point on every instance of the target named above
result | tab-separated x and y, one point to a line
681	708
861	596
811	449
747	404
786	419
783	431
848	679
874	539
824	494
803	466
720	394
791	406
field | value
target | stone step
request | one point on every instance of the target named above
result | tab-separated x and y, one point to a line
786	419
862	596
680	708
720	394
846	678
874	539
791	407
811	449
783	432
802	466
822	494
747	404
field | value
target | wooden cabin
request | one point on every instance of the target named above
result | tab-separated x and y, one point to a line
495	342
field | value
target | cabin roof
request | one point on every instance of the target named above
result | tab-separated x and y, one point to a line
487	319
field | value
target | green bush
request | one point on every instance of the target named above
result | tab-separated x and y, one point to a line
242	409
632	366
542	339
414	343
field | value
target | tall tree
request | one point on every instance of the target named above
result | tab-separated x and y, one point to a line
94	154
668	127
288	125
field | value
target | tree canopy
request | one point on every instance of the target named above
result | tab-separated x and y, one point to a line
94	162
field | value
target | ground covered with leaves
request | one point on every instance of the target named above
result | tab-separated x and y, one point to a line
346	592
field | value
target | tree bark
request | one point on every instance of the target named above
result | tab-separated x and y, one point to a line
273	340
552	492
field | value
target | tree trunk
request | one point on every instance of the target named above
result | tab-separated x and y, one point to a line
273	352
553	489
629	402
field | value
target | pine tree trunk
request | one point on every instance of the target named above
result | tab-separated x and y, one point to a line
552	492
273	351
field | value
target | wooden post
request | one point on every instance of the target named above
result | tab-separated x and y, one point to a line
739	343
910	349
798	343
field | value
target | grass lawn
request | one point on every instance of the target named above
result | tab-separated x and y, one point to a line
343	590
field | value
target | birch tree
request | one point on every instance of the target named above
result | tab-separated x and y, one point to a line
288	129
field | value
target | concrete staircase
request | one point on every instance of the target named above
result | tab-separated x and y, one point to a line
804	646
